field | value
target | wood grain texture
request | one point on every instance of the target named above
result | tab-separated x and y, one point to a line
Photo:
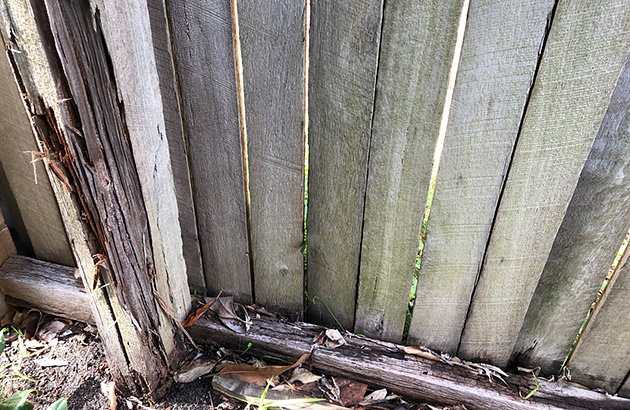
202	47
344	46
7	247
272	47
34	61
46	286
177	146
497	66
600	358
584	55
595	224
382	364
413	72
129	40
37	205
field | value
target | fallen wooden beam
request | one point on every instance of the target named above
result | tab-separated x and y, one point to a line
386	365
53	288
46	286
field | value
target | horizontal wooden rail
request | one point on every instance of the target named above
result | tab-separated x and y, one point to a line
374	362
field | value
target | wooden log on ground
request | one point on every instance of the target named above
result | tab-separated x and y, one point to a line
380	364
385	364
46	286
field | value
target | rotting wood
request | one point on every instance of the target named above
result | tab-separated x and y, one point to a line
413	73
61	60
595	224
498	64
204	58
600	357
46	286
36	203
344	45
272	47
573	86
383	364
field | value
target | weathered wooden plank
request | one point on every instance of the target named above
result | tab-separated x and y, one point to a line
413	72
69	78
204	57
173	130
129	36
499	58
47	286
596	222
7	247
344	46
585	52
382	364
272	46
600	358
37	206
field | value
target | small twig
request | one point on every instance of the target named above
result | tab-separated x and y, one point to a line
170	313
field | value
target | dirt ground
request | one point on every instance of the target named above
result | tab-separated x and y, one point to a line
63	359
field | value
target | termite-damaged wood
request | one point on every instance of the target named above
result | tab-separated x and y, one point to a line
91	157
383	364
46	286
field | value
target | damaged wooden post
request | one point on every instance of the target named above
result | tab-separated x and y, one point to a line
111	173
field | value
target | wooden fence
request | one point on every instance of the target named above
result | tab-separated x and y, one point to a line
531	200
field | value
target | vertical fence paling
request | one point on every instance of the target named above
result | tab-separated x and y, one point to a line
272	46
585	52
412	80
204	58
601	355
36	203
173	130
498	63
344	45
596	221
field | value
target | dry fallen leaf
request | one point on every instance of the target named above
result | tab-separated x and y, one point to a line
256	375
193	317
351	392
228	312
303	376
109	390
50	362
374	397
334	339
194	370
422	352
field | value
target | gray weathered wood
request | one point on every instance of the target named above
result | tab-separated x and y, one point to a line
204	58
382	364
595	224
499	58
69	77
600	358
37	206
272	46
585	52
7	247
177	146
413	72
344	45
46	286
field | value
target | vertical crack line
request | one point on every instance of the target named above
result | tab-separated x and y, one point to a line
184	131
240	89
541	51
307	33
437	156
367	164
